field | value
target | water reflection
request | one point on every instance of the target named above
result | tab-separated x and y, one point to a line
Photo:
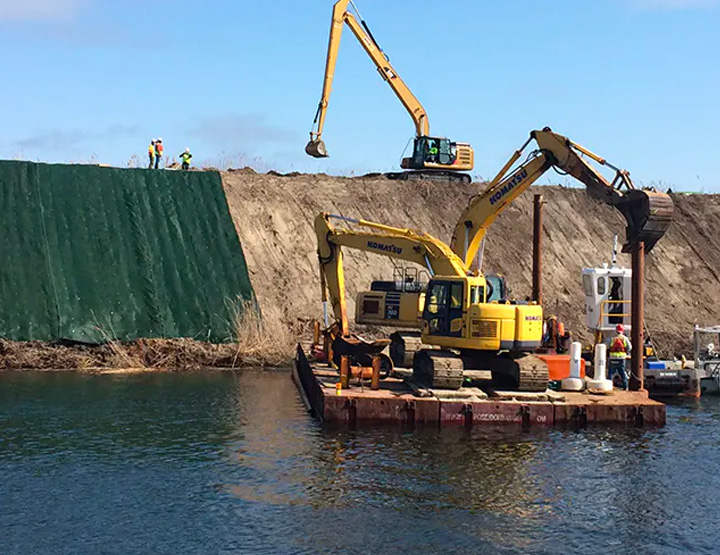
201	463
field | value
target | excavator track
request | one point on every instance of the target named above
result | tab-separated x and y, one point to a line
516	372
430	175
533	374
403	346
438	369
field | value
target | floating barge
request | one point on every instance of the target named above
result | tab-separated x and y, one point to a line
399	401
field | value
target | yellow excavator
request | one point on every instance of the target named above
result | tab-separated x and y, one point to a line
433	157
491	337
466	331
648	215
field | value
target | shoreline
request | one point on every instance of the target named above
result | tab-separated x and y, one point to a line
143	356
136	371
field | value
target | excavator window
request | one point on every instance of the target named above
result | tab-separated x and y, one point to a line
445	156
477	294
436	307
436	299
434	150
601	286
456	295
444	304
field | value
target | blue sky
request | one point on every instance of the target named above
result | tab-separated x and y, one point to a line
637	81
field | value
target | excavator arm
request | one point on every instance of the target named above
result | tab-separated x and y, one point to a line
403	244
341	15
648	213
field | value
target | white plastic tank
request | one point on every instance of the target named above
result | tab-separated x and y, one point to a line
574	382
600	383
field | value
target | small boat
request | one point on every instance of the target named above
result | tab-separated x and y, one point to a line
706	342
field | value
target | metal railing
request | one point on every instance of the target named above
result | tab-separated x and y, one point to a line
604	314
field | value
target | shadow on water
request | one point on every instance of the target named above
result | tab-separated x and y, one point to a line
230	462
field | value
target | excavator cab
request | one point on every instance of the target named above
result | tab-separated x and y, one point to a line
431	150
445	305
439	155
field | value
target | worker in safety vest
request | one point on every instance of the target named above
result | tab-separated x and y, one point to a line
619	349
151	154
432	151
158	152
186	157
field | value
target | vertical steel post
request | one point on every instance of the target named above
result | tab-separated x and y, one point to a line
328	348
375	383
537	249
345	371
638	317
316	333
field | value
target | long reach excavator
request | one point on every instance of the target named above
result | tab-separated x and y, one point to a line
461	330
435	158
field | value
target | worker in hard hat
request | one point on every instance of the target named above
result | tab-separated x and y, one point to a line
151	154
619	349
158	151
186	157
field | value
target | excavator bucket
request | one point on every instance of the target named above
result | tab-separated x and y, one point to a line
316	148
648	215
360	351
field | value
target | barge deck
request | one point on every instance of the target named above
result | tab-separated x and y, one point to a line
398	400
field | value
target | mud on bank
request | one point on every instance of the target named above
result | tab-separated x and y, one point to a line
273	216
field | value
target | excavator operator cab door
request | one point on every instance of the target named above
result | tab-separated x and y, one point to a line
432	150
444	307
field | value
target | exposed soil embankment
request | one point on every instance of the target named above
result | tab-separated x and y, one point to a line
274	216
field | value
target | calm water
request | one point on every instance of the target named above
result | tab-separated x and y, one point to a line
230	463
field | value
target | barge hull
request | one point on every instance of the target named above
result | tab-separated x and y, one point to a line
397	403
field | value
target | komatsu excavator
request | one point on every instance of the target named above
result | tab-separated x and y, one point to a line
492	337
648	215
466	331
432	157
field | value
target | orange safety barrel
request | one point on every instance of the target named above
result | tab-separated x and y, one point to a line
559	366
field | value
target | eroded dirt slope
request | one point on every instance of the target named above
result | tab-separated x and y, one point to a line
274	215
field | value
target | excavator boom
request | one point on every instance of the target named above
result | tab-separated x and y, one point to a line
404	244
648	213
341	15
432	157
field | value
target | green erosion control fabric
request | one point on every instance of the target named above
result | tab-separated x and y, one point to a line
90	253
